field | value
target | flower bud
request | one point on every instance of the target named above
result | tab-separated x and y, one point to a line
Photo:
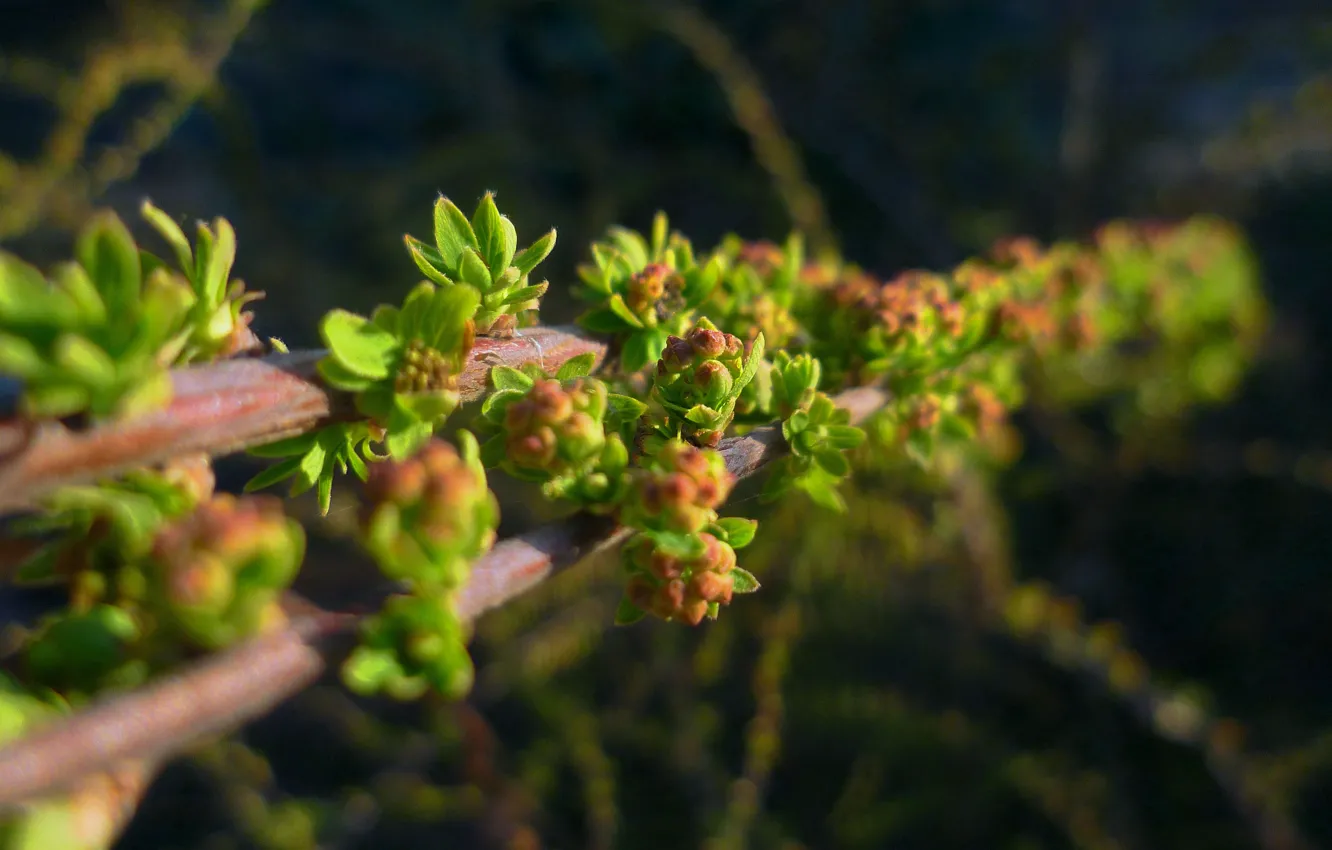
427	517
711	587
713	381
218	571
647	287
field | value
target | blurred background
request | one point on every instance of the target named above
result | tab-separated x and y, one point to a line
863	699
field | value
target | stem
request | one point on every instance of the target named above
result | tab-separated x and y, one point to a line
230	688
227	407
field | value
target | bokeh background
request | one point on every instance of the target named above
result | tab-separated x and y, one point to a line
864	699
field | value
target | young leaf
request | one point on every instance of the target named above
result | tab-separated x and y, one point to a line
107	250
509	378
494	451
275	473
844	437
428	260
491	238
638	352
743	581
576	367
525	293
474	271
453	233
627	613
751	366
621	309
833	462
357	345
603	322
171	232
533	254
623	408
497	404
739	531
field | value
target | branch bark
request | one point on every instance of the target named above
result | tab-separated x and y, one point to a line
228	407
231	688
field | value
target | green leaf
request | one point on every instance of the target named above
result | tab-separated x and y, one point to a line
621	309
213	283
659	233
525	293
473	271
325	492
677	543
84	360
630	244
751	366
823	493
73	279
701	414
297	445
431	407
833	462
275	473
627	613
738	531
622	408
310	468
385	316
107	250
453	233
509	378
497	404
339	377
55	400
531	256
171	232
428	260
495	242
638	352
844	437
603	321
360	347
406	439
20	358
577	367
920	447
743	581
447	316
795	424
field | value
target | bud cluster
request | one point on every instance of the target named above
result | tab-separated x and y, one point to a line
672	587
553	430
913	324
413	645
699	379
217	575
644	289
679	489
426	518
423	369
568	432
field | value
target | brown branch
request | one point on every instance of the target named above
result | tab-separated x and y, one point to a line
235	686
227	407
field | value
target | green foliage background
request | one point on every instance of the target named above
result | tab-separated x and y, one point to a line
870	696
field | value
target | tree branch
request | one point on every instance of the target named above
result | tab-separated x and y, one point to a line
228	407
235	686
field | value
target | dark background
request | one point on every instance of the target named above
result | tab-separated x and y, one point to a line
928	128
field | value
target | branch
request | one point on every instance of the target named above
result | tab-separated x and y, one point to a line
246	681
228	407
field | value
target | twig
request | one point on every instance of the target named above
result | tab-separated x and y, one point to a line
246	681
228	407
